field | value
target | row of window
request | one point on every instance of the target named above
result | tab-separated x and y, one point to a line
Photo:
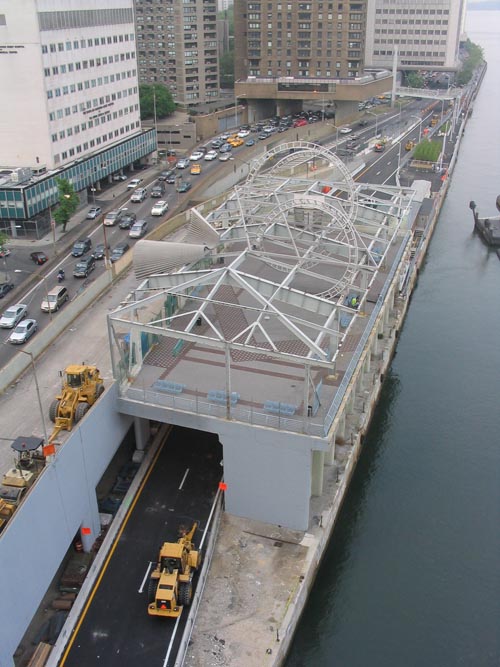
409	22
88	64
90	83
87	145
419	11
411	41
95	122
389	31
352	74
436	54
289	6
86	107
86	43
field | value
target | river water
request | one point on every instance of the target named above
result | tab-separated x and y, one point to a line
412	574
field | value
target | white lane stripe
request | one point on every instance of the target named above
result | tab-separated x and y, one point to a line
141	589
165	662
184	479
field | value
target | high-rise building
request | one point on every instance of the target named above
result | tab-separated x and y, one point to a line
177	46
303	50
70	99
427	33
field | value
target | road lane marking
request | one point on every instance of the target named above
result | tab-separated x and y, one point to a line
184	479
141	589
111	552
170	646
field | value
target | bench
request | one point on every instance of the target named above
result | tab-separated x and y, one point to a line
345	320
220	396
169	387
278	408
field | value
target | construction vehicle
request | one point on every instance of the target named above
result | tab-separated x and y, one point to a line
81	388
171	582
434	120
409	146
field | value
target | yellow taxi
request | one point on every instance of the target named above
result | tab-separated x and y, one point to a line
195	169
236	142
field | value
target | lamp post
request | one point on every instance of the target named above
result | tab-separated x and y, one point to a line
53	228
30	354
336	135
44	278
376	122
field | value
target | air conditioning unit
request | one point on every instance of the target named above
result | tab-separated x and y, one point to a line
21	175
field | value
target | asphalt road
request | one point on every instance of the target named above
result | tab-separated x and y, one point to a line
116	629
19	266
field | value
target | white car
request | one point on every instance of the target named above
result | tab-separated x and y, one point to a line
131	185
345	130
160	208
13	315
211	155
224	157
196	155
243	133
23	332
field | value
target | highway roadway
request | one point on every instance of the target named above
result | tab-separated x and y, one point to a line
115	629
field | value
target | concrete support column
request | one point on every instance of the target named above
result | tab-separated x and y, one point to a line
268	474
318	462
330	454
341	426
91	524
141	432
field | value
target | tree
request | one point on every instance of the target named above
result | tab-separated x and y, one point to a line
68	202
3	242
226	66
151	95
414	80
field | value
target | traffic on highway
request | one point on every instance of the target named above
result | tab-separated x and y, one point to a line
382	139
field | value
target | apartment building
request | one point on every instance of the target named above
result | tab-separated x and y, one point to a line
70	98
292	52
177	46
427	33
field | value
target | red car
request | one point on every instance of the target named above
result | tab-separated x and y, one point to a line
300	122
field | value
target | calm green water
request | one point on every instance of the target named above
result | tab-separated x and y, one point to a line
412	574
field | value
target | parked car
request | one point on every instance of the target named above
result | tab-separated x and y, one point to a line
300	122
160	208
127	220
54	299
39	257
183	163
139	195
119	177
23	331
195	169
138	229
81	247
5	289
13	315
345	130
196	155
100	251
134	183
351	145
184	186
119	251
363	122
85	266
113	217
94	212
211	155
379	148
158	190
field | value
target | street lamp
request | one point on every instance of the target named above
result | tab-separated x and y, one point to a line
30	354
376	122
53	228
336	135
44	278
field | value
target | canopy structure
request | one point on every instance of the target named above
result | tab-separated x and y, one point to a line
256	301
